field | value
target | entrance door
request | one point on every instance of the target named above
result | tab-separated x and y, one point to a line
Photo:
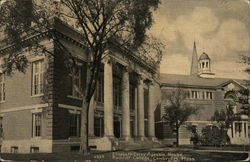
117	128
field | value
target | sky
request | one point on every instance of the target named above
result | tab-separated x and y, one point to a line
220	28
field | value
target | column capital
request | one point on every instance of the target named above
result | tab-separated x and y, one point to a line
140	78
149	82
126	68
108	60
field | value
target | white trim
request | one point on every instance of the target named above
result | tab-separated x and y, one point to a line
76	98
36	58
24	108
201	121
69	107
75	111
36	110
239	84
38	95
192	121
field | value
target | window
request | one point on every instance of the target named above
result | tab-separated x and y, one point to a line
37	77
75	148
245	129
76	81
117	92
74	128
132	96
2	87
14	149
209	95
203	64
99	126
203	95
207	64
238	128
34	149
1	127
194	94
100	88
37	124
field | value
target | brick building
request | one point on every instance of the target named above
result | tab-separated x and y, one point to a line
40	109
208	94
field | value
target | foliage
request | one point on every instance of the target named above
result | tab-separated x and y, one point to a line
100	23
244	101
246	60
178	111
225	117
195	138
214	136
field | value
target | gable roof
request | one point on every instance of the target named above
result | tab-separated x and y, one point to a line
188	81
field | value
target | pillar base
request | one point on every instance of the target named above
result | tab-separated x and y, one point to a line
154	139
141	138
109	136
126	138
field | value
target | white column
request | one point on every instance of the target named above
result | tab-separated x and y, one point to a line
140	112
234	134
151	108
125	105
135	119
108	100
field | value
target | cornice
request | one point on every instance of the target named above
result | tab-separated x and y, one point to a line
49	34
189	86
129	54
9	48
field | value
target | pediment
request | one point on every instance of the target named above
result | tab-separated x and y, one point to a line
232	85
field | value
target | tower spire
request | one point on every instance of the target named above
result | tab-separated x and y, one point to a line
194	64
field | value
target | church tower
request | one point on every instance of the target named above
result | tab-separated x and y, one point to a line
204	66
194	64
201	67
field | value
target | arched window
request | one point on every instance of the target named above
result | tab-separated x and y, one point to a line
203	64
207	64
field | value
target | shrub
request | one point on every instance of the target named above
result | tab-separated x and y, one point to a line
214	136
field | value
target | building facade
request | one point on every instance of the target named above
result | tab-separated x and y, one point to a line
40	109
208	94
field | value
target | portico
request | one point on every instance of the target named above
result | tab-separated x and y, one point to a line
128	103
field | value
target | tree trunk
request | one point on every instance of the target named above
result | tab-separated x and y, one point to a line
85	127
177	135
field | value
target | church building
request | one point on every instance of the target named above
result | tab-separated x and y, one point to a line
208	94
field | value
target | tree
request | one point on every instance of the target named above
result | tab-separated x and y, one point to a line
245	93
246	60
195	138
101	24
178	111
244	100
225	119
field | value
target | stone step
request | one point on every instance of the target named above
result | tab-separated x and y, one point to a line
137	144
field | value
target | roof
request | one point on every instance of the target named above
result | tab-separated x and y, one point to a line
195	81
204	56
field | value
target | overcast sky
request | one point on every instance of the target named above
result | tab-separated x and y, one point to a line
221	28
